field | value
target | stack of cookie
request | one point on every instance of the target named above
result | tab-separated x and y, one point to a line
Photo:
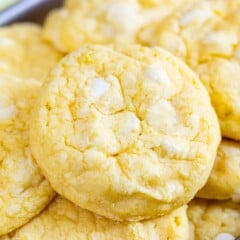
105	135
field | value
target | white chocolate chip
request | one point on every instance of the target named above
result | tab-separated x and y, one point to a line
174	187
224	236
7	113
132	123
174	148
127	122
171	187
7	42
162	115
220	38
194	120
98	87
155	72
123	16
197	15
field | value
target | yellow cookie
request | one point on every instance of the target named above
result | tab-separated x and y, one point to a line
24	53
181	31
218	68
24	192
63	220
206	35
128	134
214	220
103	22
224	181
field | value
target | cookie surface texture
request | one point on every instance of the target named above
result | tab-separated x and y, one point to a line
214	220
24	53
64	220
205	34
219	63
103	22
24	191
224	181
128	134
181	32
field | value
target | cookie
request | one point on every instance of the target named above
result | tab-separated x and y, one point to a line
224	181
213	220
180	32
24	53
219	63
129	134
64	220
24	191
205	35
103	22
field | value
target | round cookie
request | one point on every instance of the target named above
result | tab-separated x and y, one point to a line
64	220
180	32
24	53
224	181
205	35
219	63
103	22
213	220
129	134
24	191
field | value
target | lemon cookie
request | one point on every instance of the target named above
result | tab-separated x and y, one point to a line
24	53
24	192
205	35
128	134
103	22
64	220
214	220
224	181
218	68
180	32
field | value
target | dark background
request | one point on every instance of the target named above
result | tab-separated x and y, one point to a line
28	10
